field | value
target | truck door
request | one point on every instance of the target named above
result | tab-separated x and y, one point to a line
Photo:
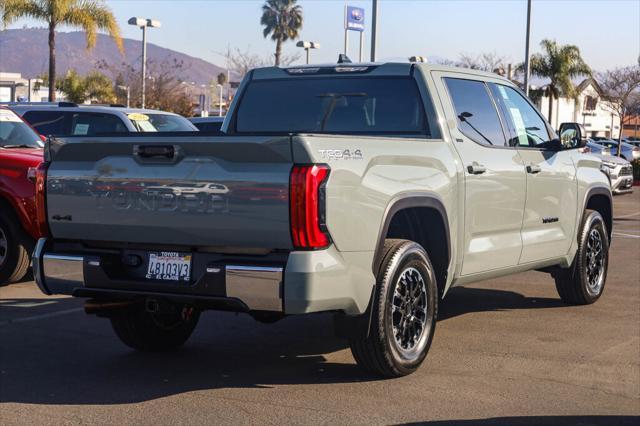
552	191
494	174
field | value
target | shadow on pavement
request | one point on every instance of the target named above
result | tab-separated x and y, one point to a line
461	300
75	359
540	420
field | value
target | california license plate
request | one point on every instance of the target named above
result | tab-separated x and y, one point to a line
169	266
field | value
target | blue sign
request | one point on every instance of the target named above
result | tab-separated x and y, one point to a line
354	20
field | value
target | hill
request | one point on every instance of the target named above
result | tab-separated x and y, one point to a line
26	51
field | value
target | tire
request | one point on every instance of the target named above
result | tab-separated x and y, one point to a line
155	332
583	283
14	253
379	349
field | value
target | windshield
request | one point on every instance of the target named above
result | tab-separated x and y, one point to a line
14	133
362	105
160	123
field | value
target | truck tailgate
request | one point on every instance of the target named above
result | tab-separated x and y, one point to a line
192	190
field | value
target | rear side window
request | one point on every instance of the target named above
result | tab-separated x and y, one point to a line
95	123
332	105
47	122
475	111
144	122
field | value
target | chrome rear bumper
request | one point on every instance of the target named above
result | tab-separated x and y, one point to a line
259	288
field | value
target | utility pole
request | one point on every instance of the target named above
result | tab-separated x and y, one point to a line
374	28
527	64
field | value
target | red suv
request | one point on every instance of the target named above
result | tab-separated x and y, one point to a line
20	154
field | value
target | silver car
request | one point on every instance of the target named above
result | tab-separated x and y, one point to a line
620	173
629	152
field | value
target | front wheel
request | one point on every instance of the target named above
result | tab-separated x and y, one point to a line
583	283
404	312
152	332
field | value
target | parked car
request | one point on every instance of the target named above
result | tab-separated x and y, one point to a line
68	119
210	125
20	152
403	180
629	152
596	148
620	173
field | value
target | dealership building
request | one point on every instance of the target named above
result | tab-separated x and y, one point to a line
588	108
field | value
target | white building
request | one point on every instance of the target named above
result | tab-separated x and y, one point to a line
14	88
588	108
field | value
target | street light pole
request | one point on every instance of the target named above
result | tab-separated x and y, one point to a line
374	29
143	23
144	64
527	64
219	100
308	45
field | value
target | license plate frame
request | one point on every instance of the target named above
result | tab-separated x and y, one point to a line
169	266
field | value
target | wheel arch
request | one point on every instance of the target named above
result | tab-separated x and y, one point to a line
600	199
419	217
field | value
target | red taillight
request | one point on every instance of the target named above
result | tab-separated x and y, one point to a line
41	206
307	206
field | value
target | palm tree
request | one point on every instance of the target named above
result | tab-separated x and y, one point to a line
560	64
89	15
282	19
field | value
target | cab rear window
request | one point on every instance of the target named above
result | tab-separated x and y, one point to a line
373	105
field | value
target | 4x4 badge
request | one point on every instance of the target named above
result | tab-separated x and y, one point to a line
339	154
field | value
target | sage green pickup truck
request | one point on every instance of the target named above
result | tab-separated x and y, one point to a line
367	190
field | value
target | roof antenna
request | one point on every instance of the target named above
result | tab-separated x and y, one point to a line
343	59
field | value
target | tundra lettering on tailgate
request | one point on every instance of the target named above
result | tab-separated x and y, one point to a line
167	199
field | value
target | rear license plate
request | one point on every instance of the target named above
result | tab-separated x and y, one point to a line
169	266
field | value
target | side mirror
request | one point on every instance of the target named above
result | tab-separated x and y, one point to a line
572	135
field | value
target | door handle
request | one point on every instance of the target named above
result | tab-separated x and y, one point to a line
533	169
476	169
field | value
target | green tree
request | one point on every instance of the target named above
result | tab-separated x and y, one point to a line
94	86
222	78
282	19
560	64
89	15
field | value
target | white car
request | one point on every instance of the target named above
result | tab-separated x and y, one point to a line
69	119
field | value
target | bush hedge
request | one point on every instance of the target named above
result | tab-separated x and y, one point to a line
636	170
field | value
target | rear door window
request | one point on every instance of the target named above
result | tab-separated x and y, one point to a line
362	105
95	123
475	111
48	122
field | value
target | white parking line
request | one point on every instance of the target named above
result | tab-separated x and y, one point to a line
627	215
620	234
43	316
14	304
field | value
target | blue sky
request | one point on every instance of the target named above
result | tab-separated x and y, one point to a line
607	31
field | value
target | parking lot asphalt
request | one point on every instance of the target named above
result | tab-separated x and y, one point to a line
506	351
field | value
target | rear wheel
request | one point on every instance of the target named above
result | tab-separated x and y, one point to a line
404	312
160	331
14	254
583	283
